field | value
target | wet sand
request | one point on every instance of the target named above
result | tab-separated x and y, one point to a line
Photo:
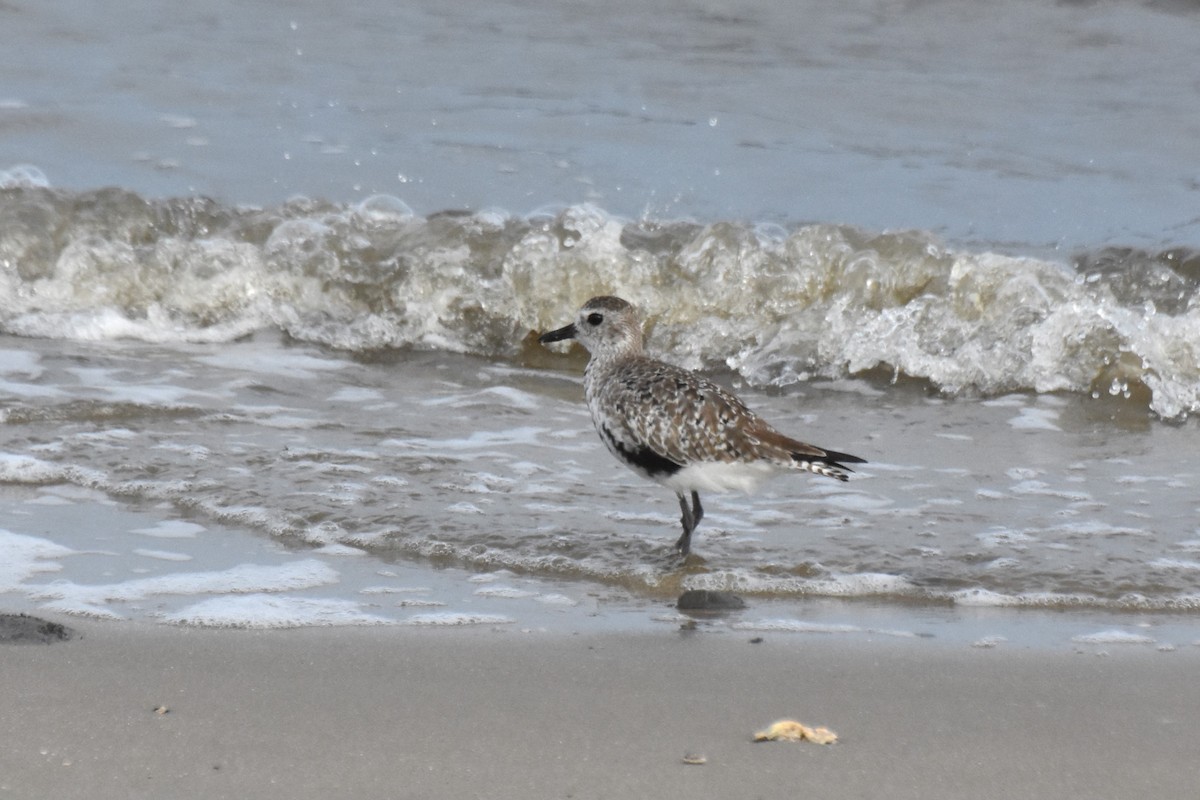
134	710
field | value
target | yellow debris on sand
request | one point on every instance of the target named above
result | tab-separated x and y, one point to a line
789	730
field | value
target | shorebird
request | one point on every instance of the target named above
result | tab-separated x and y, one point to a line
674	426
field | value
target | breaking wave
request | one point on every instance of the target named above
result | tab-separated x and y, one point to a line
774	304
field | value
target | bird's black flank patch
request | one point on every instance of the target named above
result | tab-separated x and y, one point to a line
641	458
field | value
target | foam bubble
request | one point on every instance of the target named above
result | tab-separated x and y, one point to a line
17	468
988	598
987	642
789	625
835	497
22	176
1183	564
455	618
244	578
795	626
383	208
1004	537
337	550
488	398
983	598
24	363
171	529
1088	528
1114	636
161	555
307	366
1036	419
393	590
556	599
356	394
23	556
272	611
1043	489
862	584
505	592
80	609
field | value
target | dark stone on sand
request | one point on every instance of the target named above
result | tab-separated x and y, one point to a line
708	600
24	629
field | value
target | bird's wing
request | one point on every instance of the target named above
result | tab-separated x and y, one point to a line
686	418
679	415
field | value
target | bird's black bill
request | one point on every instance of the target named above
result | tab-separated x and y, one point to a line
567	332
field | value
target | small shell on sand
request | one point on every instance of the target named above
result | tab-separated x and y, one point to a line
788	730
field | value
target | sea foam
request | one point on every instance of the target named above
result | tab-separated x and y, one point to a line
799	302
272	611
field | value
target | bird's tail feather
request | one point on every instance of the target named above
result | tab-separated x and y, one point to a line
823	469
826	462
804	456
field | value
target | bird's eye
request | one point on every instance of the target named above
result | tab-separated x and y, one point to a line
595	319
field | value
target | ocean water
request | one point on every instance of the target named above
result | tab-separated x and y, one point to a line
270	284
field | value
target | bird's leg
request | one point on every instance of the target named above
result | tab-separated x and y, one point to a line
691	518
689	524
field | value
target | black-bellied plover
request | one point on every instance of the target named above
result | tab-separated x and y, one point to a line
674	426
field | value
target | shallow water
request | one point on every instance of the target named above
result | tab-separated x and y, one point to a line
262	467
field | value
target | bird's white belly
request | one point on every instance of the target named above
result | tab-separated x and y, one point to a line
720	476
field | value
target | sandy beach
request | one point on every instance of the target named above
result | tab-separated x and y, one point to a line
384	713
